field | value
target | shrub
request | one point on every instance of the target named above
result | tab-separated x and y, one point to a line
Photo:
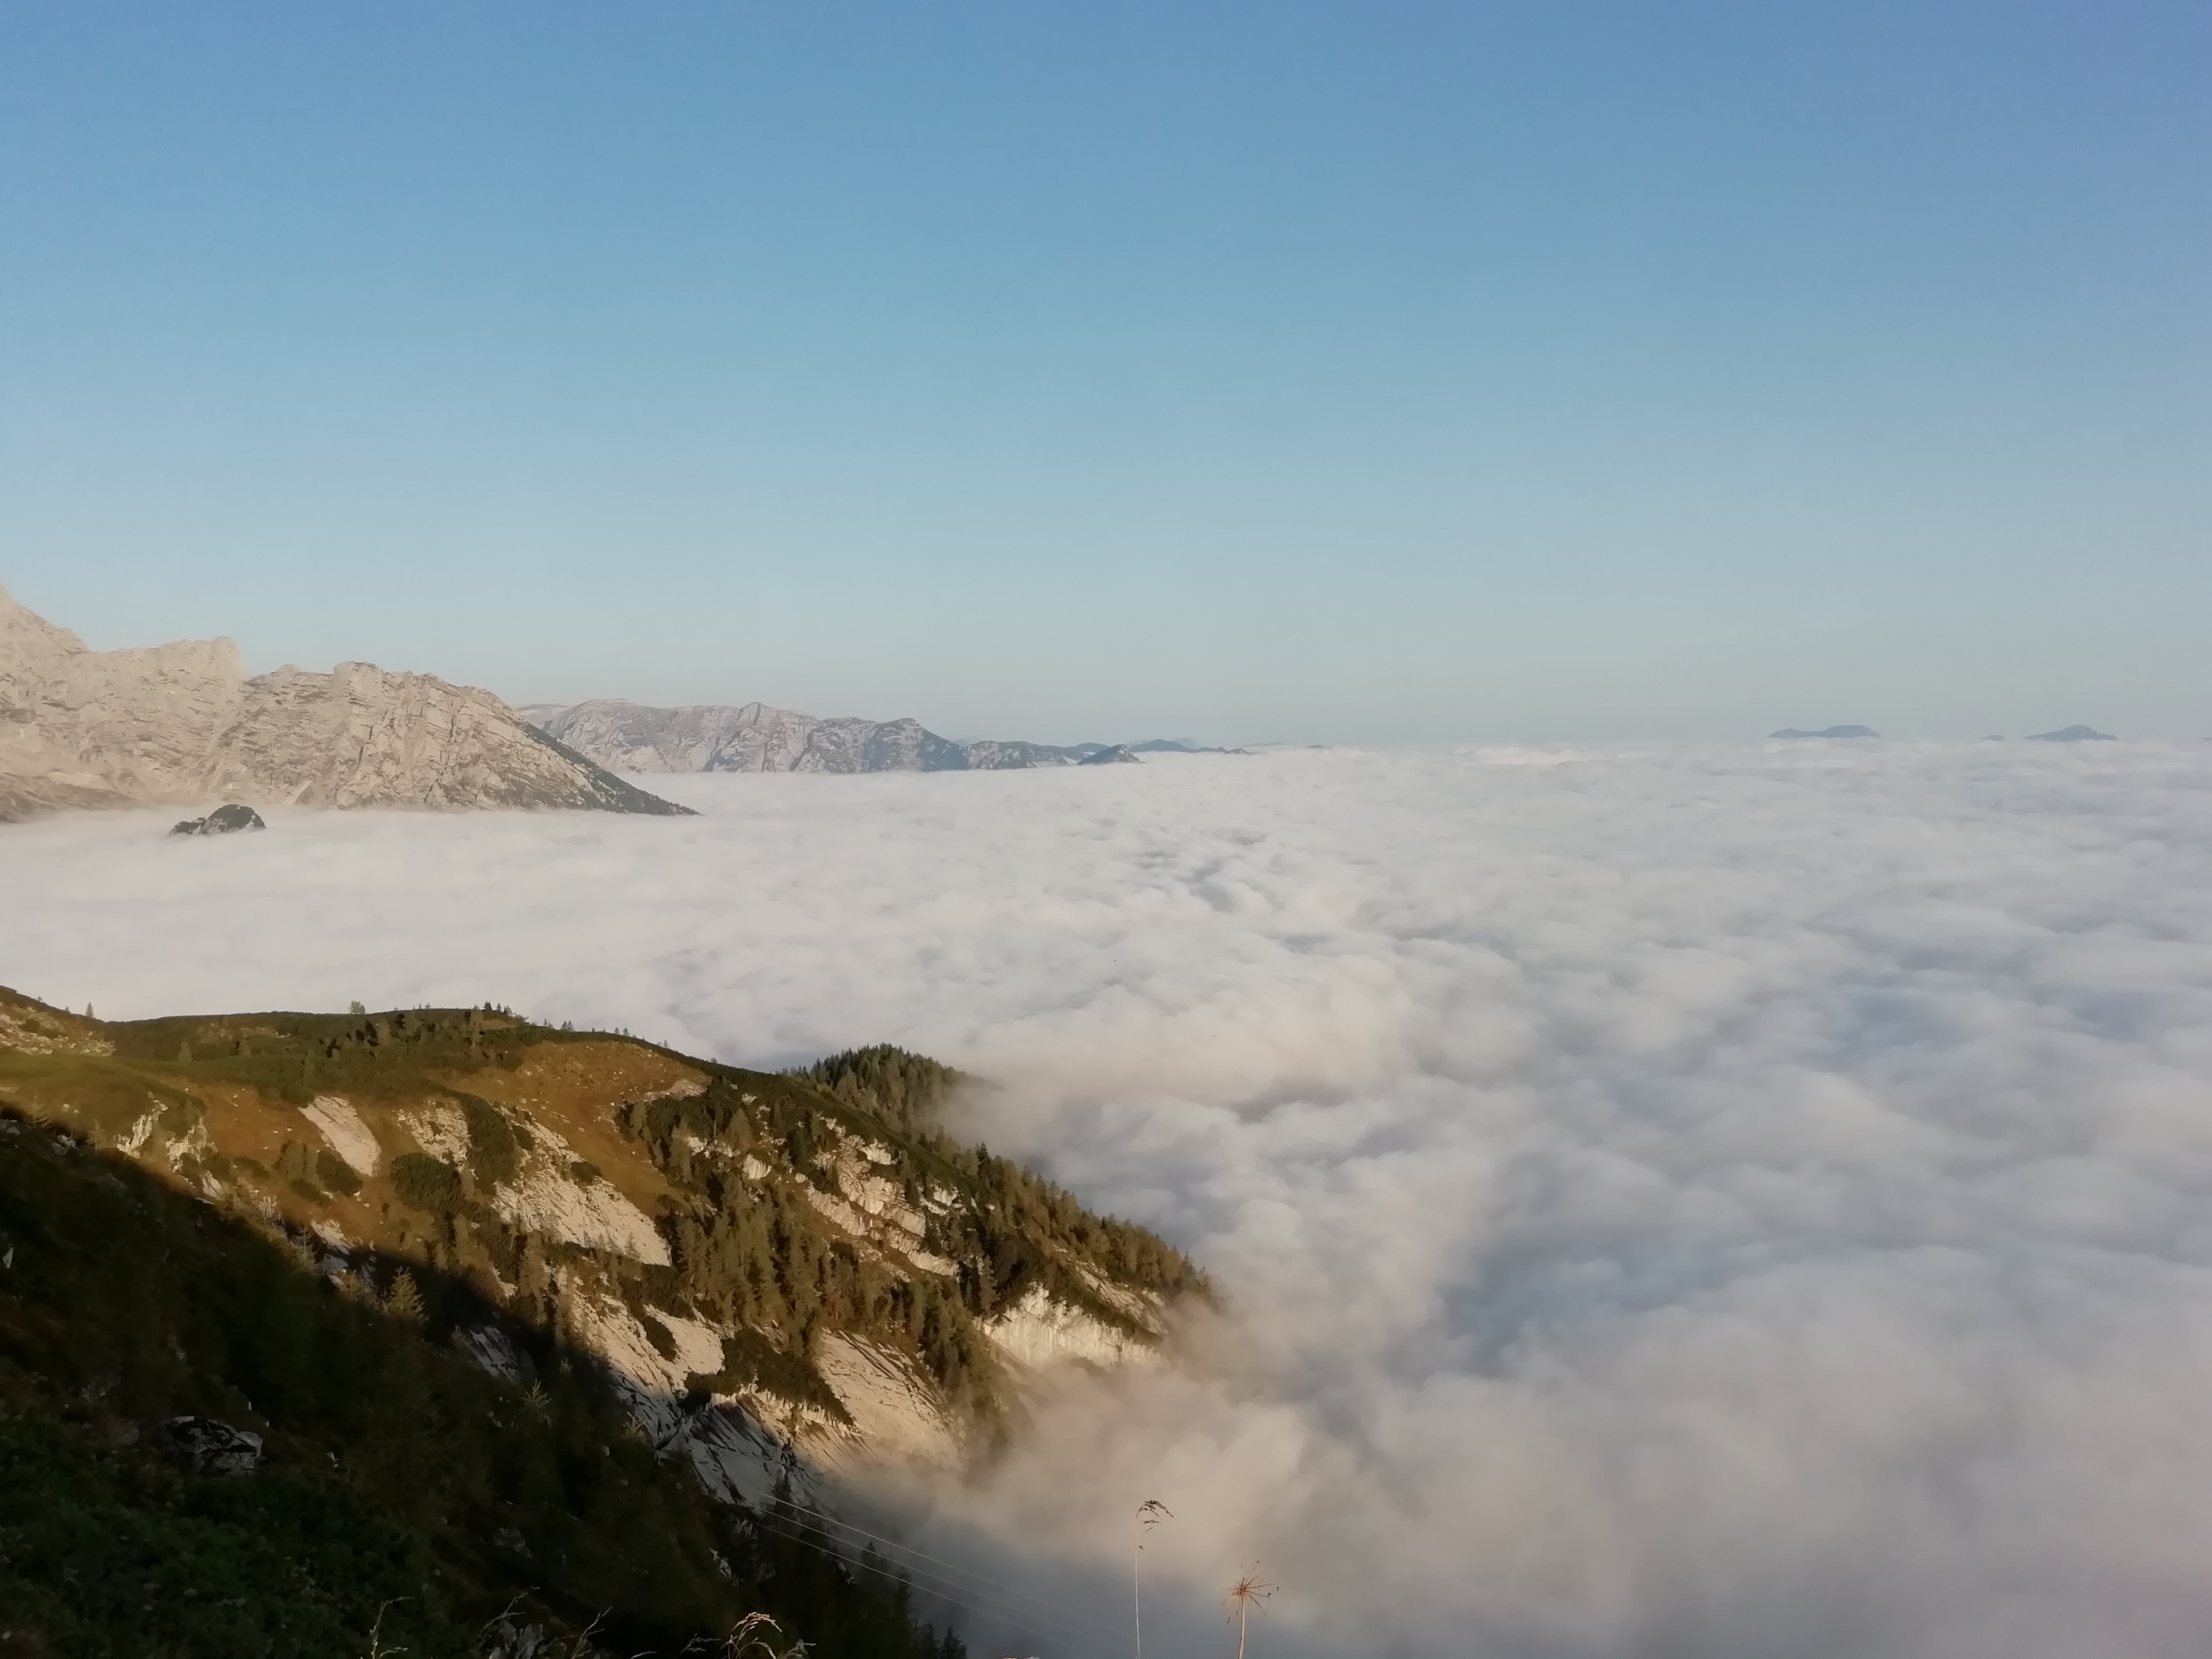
405	1298
427	1184
294	1163
493	1151
751	1360
334	1173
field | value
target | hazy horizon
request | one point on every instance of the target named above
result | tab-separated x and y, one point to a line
1206	727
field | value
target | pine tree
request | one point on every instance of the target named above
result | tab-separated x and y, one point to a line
404	1298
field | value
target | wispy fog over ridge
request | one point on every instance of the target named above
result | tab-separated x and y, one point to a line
1716	1201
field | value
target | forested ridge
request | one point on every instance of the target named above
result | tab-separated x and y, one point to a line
186	1242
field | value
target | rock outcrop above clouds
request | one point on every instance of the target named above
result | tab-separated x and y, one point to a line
996	755
629	737
1827	731
223	821
185	724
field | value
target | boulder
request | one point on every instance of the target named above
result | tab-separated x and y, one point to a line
207	1446
223	821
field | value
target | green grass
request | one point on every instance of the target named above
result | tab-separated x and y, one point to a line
394	1468
131	1300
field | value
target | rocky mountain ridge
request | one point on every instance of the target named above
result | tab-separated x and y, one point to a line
629	737
784	1276
185	724
209	1448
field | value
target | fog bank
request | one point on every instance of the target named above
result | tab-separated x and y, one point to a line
1714	1202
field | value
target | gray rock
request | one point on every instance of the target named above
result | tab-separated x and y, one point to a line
1117	755
223	821
1179	746
207	1446
994	755
186	722
2072	734
629	737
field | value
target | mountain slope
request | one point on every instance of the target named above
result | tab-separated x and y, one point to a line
400	1489
487	1290
629	737
185	724
772	1267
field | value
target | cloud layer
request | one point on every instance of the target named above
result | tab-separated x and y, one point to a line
1669	1201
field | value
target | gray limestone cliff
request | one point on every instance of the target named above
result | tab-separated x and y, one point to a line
185	724
629	737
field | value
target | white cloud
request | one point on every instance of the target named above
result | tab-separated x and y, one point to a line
1698	1201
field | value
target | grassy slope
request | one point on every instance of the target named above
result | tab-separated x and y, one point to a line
396	1467
752	1254
396	1473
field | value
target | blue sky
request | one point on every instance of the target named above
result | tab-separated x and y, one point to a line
1263	371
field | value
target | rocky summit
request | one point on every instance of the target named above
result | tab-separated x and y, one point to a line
185	723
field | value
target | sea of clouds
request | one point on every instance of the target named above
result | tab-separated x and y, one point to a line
1667	1200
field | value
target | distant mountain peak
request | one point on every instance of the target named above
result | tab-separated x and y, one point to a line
185	723
630	737
2072	734
1827	731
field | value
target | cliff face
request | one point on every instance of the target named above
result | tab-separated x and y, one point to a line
629	737
185	724
778	1272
